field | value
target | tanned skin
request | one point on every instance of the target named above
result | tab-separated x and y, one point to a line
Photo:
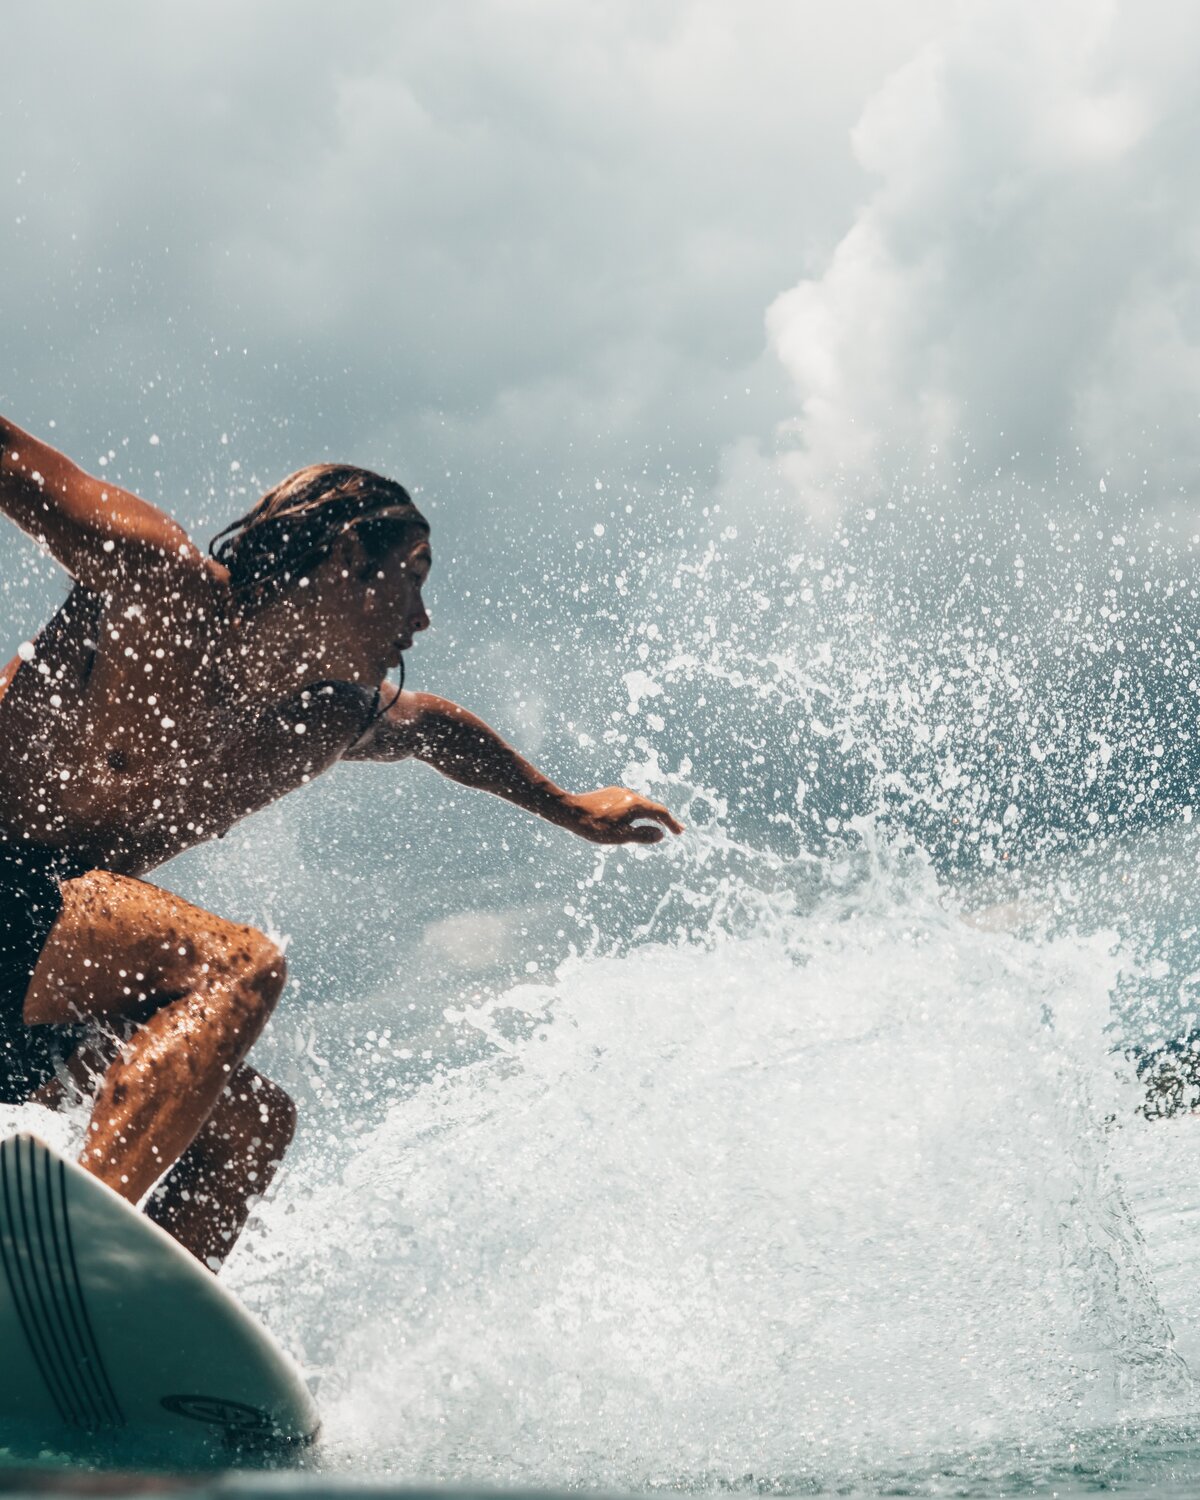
156	713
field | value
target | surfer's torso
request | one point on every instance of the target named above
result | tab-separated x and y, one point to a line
132	732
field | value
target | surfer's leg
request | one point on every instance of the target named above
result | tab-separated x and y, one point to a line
207	1195
119	948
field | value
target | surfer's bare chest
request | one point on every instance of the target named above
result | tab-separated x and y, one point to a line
129	732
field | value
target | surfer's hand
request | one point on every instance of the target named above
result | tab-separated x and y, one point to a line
614	815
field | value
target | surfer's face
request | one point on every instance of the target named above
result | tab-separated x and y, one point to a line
394	606
367	610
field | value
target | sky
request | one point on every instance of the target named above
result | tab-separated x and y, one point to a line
1020	278
506	247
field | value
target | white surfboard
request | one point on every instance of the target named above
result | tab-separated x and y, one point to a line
110	1328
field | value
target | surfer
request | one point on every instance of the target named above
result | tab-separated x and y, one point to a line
171	695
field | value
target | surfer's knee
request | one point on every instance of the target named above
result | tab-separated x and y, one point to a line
259	969
269	973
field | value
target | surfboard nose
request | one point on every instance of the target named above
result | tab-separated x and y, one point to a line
108	1325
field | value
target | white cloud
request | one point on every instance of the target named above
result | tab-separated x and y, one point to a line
1025	275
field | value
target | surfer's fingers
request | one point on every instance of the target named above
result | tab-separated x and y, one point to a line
666	817
643	833
654	810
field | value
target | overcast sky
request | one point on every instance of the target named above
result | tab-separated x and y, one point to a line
503	247
512	245
1021	273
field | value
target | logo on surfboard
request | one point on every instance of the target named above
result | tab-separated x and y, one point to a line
234	1417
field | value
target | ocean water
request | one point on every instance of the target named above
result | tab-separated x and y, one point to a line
805	1154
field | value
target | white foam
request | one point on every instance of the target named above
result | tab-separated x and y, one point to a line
826	1195
60	1130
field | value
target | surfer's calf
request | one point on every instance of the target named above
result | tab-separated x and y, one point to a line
205	1199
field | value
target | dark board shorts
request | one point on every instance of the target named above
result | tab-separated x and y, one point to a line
30	902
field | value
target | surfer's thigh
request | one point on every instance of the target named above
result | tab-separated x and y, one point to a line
122	947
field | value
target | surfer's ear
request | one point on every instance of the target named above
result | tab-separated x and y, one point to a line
346	557
359	561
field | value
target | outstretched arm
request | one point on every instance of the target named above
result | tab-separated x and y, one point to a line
91	527
467	750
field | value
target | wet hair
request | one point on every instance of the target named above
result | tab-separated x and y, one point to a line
296	525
